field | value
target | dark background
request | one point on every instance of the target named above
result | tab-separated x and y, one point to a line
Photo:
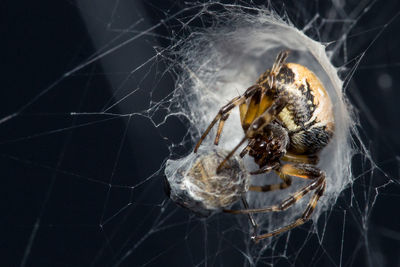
77	190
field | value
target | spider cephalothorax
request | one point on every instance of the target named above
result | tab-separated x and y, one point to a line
287	120
268	147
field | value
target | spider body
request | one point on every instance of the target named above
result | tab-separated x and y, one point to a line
286	117
306	119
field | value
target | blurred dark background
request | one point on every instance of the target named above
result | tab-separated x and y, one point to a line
79	190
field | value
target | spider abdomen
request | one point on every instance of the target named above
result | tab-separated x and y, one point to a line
308	116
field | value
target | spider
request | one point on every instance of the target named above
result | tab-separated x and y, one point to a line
287	119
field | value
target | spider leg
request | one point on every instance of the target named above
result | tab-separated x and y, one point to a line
230	154
269	75
258	124
245	151
306	215
251	218
310	159
278	64
305	171
248	111
247	148
223	115
287	181
266	168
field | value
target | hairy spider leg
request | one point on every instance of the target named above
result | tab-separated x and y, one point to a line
306	171
223	114
251	218
280	59
254	109
269	75
306	215
279	62
310	159
247	148
287	181
266	168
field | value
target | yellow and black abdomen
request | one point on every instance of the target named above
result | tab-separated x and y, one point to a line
308	115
